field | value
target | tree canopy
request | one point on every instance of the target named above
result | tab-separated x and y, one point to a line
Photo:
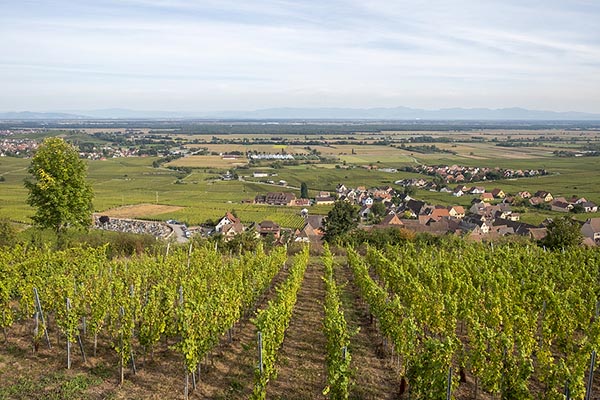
58	190
340	220
303	190
563	232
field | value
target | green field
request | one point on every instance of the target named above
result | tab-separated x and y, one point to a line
124	181
201	193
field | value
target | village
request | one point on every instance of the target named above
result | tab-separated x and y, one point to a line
11	147
490	216
460	174
25	148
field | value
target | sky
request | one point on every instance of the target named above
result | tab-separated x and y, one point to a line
211	55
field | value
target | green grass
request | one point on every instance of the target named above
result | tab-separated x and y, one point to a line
319	178
12	192
55	386
125	181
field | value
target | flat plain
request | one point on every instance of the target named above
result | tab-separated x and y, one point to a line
362	159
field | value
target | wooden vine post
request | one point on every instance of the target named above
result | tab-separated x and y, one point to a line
40	312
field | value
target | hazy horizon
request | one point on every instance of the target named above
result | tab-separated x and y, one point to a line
209	56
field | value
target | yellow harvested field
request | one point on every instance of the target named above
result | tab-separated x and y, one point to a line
261	148
140	210
490	150
207	162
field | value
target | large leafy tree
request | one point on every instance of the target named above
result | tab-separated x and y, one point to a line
340	220
563	232
58	190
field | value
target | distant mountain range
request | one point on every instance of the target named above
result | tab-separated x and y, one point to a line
395	113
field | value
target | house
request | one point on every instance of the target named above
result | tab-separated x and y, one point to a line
524	195
230	230
477	190
276	199
390	220
445	225
498	193
438	213
519	228
484	227
456	211
341	188
324	200
404	197
501	230
478	208
514	216
312	231
546	196
458	192
425	219
480	227
536	201
560	205
267	228
368	201
591	229
588	207
228	219
486	197
577	200
415	206
302	202
259	174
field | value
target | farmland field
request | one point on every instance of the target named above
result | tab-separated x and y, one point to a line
354	160
207	162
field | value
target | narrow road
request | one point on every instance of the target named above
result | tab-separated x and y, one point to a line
179	233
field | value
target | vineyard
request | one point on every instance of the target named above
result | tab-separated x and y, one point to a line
458	320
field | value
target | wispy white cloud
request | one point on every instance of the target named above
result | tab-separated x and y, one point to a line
227	54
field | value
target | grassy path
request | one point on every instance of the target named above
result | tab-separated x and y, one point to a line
302	372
